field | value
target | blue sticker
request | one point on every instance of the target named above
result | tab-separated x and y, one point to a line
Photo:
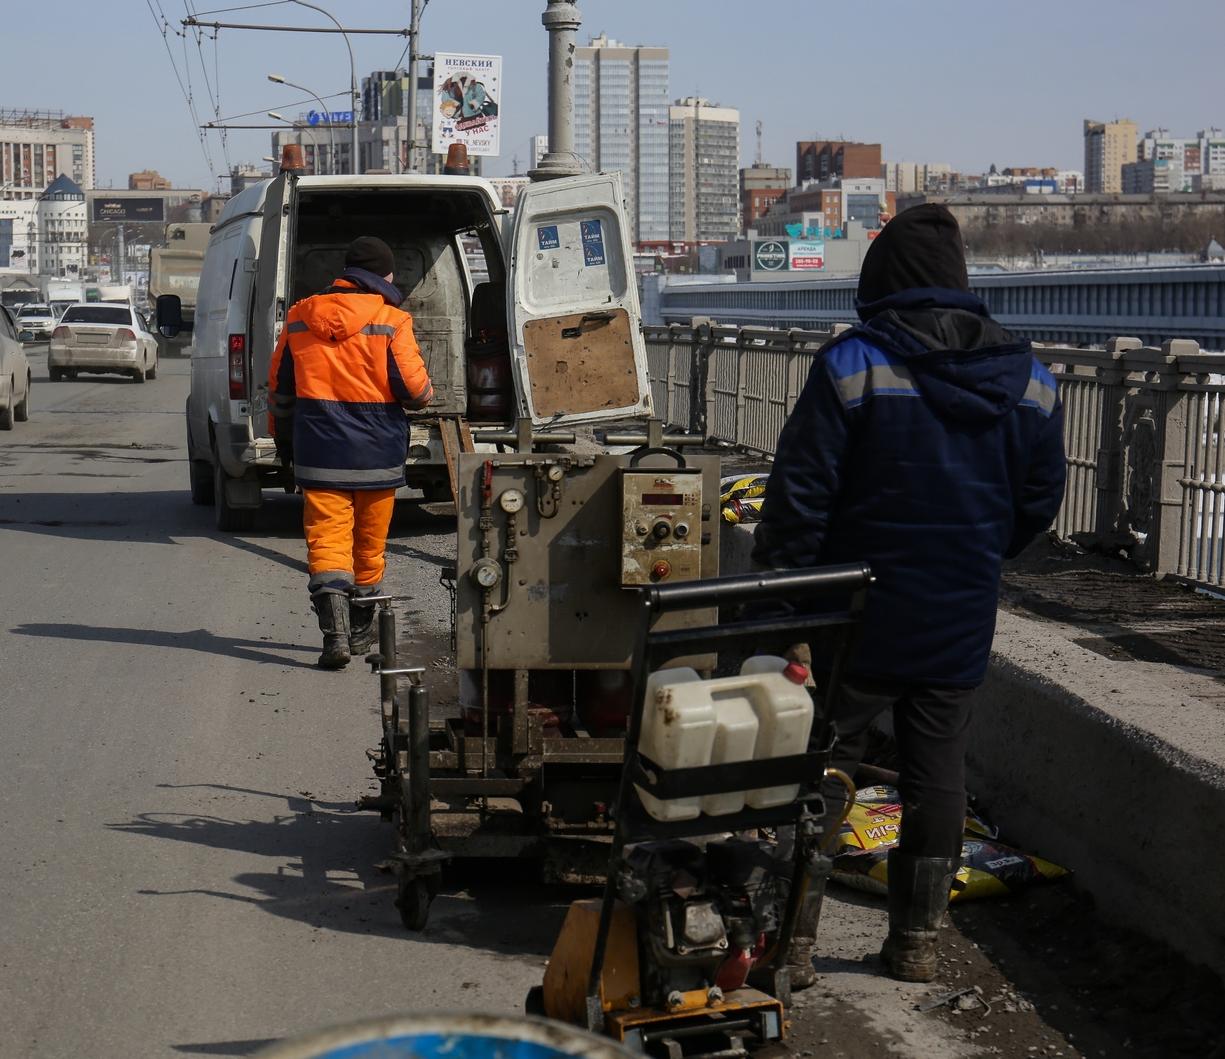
546	237
593	242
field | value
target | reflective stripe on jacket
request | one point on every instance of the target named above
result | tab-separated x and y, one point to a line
344	369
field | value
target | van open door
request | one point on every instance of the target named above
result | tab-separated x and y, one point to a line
268	306
577	350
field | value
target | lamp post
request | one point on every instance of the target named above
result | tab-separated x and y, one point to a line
277	79
352	75
300	128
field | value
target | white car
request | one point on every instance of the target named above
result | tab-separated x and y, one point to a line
102	337
14	376
38	320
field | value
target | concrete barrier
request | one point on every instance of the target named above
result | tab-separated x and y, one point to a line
1114	769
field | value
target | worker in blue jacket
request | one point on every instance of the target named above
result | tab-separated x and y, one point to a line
927	442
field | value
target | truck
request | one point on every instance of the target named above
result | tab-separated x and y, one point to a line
175	269
62	293
551	336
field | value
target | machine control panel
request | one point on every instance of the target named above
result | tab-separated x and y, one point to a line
661	538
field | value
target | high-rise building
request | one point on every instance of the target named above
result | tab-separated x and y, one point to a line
703	160
836	160
761	186
621	122
1109	146
36	146
907	177
61	239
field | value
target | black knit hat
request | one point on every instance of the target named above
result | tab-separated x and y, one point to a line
372	254
920	247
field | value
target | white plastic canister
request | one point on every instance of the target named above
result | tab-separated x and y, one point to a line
784	715
678	731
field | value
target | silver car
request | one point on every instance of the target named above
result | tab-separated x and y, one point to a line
14	375
102	337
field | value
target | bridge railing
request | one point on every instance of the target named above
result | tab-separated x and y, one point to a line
1143	429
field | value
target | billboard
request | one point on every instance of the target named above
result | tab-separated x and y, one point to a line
466	102
125	209
788	255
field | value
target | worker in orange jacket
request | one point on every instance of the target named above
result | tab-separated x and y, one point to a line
343	372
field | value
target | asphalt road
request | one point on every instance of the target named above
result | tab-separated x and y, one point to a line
183	871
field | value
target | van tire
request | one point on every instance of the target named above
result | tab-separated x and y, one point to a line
229	519
200	475
22	412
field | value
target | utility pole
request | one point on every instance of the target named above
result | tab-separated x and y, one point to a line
414	31
562	19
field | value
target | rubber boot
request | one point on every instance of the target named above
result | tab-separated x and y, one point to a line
804	941
333	611
363	628
918	897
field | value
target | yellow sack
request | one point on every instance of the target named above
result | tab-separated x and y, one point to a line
989	868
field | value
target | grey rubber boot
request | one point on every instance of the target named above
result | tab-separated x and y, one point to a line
804	942
363	630
918	897
333	611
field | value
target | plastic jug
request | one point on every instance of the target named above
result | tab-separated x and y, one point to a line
784	715
736	727
678	731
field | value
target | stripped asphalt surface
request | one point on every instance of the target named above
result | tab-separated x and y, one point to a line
184	872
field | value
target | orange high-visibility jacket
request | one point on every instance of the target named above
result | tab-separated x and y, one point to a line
345	367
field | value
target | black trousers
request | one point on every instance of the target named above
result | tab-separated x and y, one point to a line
931	727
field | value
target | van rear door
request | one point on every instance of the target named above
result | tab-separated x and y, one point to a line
268	299
577	349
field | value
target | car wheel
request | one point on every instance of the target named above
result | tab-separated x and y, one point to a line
138	375
55	374
6	413
152	372
22	412
229	519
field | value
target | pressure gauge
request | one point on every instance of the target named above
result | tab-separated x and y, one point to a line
557	472
486	573
511	501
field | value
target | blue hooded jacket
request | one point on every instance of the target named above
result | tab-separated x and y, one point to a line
927	442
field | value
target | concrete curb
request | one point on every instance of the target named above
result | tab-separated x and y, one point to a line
1114	769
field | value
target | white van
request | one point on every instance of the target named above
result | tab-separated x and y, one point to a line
560	284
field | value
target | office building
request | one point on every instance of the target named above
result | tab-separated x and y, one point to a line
703	160
621	105
906	177
60	247
1109	146
761	186
836	160
36	146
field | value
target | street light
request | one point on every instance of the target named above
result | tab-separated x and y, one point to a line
352	74
277	79
297	125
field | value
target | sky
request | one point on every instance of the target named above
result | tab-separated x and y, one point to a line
958	81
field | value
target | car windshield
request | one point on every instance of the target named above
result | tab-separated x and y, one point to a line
97	314
34	310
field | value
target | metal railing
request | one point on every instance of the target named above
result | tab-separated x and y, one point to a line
1142	429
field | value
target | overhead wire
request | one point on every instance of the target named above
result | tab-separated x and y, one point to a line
163	27
214	97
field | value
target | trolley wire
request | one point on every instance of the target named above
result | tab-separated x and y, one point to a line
163	27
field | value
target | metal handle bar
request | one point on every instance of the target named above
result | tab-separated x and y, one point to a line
670	441
745	588
509	437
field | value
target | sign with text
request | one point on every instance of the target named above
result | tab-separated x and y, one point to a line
125	209
807	255
770	255
467	102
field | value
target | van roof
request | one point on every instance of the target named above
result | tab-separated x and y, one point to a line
251	199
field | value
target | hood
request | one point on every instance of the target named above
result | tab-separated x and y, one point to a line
968	368
348	305
921	248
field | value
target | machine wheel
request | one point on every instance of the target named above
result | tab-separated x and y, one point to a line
55	374
413	900
6	413
22	412
229	519
533	1003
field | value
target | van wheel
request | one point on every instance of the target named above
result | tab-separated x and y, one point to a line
22	412
200	474
229	519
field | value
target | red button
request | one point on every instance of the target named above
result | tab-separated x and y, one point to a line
660	570
796	672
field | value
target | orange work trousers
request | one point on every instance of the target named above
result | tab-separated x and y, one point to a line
346	534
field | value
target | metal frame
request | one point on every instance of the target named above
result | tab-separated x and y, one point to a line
655	648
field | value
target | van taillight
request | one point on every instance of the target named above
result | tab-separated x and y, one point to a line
238	367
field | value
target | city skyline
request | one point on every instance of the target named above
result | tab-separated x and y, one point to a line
919	110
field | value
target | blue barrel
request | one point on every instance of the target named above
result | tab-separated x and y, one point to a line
448	1037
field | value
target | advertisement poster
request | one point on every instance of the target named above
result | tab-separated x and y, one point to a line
770	255
807	256
467	98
